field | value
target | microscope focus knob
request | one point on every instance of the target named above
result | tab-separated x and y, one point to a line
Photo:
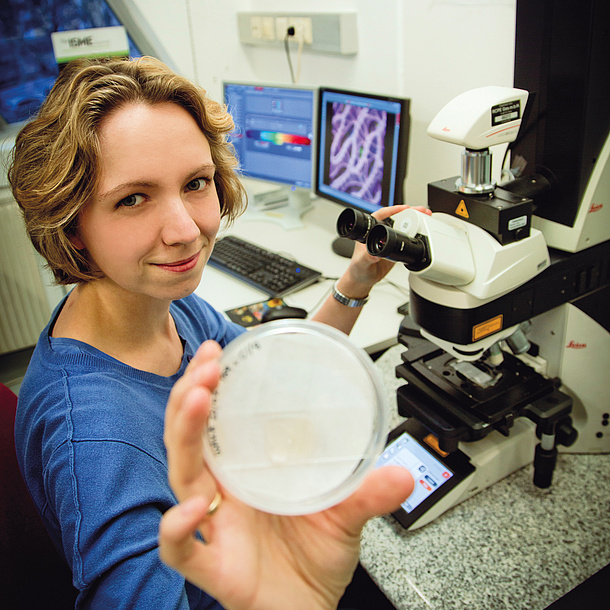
566	433
544	466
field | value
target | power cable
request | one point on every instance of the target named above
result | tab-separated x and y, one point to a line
289	34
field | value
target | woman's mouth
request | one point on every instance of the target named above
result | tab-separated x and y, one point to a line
180	266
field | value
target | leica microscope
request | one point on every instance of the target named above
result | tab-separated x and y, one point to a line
500	301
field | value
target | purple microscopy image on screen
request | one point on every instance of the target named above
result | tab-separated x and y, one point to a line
356	151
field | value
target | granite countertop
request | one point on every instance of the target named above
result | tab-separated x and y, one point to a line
510	546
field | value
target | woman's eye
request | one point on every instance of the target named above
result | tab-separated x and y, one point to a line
197	184
131	200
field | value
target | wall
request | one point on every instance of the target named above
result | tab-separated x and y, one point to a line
428	50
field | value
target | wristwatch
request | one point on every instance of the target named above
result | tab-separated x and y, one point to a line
347	301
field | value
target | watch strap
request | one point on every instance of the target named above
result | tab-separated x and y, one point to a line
347	301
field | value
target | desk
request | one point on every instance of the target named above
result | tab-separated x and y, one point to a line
377	326
510	546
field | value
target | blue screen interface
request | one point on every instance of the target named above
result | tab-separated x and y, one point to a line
27	64
273	134
359	139
428	472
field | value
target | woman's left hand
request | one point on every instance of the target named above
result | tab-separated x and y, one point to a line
366	270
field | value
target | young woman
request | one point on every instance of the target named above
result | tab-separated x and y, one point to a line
124	178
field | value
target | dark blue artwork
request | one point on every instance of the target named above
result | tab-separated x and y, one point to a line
27	64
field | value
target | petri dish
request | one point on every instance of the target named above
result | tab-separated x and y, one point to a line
298	419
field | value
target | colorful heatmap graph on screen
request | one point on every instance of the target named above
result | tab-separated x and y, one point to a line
278	138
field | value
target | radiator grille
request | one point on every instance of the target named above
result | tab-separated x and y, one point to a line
24	305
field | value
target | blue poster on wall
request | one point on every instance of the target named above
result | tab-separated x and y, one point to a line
28	67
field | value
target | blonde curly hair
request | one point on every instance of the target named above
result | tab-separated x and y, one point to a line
55	165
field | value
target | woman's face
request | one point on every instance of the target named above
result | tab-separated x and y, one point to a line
151	226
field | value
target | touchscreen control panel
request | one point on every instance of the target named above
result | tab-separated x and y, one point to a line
435	473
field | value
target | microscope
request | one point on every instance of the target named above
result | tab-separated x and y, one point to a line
491	312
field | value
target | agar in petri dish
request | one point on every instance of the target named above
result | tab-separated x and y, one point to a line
298	419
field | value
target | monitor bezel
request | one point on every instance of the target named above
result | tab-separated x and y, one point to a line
403	147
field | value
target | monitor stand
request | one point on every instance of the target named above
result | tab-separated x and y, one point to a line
285	206
343	246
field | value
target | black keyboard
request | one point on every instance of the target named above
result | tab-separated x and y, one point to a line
268	271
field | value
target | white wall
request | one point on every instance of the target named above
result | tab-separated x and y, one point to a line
428	50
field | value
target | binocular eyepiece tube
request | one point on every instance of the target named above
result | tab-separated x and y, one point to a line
382	240
387	243
356	225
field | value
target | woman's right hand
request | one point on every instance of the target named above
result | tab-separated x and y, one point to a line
253	560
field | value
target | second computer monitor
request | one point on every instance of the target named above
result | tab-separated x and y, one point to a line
274	140
362	148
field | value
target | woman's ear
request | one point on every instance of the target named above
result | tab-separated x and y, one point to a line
76	241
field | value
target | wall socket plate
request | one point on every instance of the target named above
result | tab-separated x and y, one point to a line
321	32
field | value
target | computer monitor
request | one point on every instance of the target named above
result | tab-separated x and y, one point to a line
362	151
274	141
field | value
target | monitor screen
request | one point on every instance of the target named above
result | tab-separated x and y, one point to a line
362	148
274	131
274	141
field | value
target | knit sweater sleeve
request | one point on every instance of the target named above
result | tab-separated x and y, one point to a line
89	436
106	484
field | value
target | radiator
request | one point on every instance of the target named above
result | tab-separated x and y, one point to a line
24	304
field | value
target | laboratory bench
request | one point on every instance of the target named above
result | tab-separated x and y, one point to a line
510	546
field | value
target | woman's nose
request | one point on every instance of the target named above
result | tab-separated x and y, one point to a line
179	227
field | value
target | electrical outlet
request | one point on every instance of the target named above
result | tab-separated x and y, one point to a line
256	27
302	28
268	28
281	27
321	32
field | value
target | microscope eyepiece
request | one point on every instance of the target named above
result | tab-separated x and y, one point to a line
384	242
381	240
355	224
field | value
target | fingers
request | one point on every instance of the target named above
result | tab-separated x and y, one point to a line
186	415
177	530
185	441
204	365
382	492
202	370
387	211
390	210
421	208
178	547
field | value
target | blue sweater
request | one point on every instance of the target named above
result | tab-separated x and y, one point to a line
89	437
